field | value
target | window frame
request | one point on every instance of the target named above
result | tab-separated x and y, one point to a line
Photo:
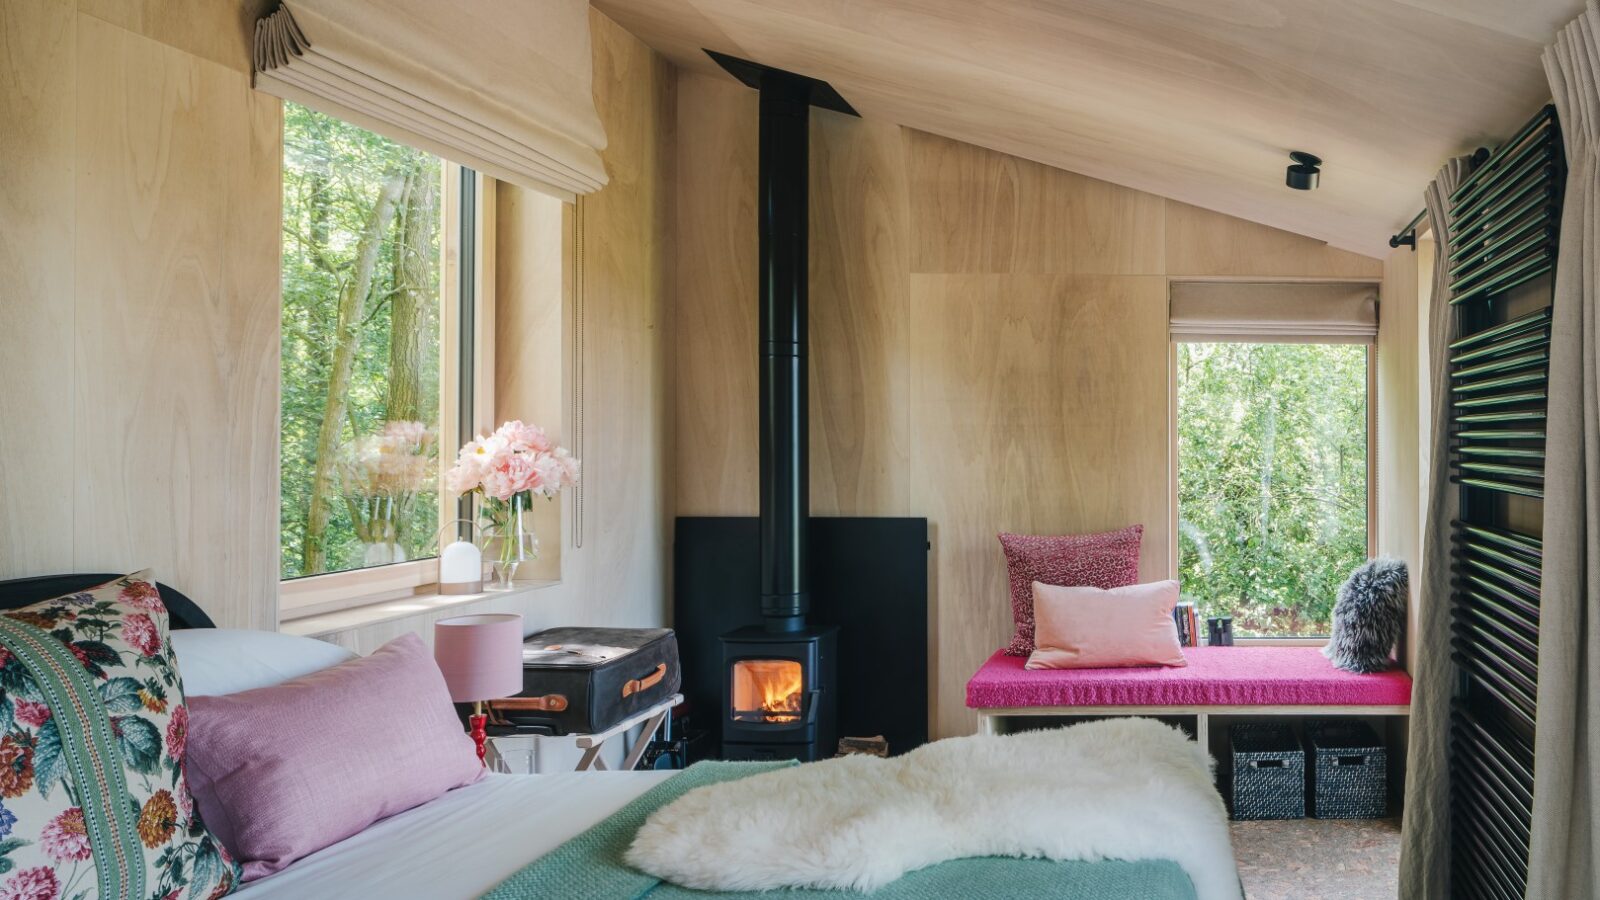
466	344
1371	345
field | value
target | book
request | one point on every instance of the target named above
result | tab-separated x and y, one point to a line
1183	616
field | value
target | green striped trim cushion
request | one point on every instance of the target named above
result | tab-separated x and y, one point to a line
89	748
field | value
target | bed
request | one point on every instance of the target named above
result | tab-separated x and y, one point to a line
522	837
472	840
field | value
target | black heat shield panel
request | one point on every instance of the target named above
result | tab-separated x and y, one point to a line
868	576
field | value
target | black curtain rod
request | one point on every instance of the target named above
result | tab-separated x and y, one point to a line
1407	236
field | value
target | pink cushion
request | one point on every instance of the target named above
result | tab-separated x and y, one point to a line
283	771
1093	628
1215	676
1106	560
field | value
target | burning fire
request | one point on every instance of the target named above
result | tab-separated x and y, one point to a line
767	690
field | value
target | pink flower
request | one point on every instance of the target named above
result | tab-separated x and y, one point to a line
462	477
178	732
549	475
142	594
185	806
66	839
38	883
141	633
521	436
569	466
31	713
520	473
497	484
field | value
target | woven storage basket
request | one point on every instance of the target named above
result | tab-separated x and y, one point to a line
1349	770
1269	772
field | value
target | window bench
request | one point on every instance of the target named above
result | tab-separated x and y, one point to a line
1219	681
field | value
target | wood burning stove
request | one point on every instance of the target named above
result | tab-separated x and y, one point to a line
763	660
779	693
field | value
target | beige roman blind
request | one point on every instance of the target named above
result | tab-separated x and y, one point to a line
1289	312
502	86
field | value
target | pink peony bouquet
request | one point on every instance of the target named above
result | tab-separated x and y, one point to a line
508	469
518	458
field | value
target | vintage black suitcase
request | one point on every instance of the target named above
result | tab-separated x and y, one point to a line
585	680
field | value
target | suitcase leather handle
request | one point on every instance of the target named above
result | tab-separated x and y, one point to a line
546	703
635	685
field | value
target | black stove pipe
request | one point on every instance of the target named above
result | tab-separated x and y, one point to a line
783	212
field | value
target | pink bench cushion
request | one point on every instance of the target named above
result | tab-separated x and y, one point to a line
1215	676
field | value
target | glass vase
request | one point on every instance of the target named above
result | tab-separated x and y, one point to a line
507	536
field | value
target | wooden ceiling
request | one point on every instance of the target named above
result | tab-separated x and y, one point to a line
1198	100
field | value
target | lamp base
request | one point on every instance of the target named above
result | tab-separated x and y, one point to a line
480	734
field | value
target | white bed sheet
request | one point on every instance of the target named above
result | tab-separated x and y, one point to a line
461	844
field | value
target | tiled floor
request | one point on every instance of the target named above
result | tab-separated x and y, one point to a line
1318	859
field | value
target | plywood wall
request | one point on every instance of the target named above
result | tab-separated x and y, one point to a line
989	345
1401	424
139	300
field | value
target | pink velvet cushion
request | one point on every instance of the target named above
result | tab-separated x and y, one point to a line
1091	628
283	771
1105	560
1215	676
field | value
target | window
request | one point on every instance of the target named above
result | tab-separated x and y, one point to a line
371	391
1272	480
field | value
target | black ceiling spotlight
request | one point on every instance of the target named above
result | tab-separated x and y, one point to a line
1302	176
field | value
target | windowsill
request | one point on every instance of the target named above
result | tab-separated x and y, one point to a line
389	608
1311	641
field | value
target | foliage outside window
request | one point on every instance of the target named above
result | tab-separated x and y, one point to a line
1272	480
360	353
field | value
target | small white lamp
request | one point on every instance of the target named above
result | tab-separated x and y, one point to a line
461	568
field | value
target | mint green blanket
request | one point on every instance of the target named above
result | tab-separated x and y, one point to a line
590	866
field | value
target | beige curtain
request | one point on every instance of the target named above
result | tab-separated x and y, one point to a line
1316	312
1562	849
502	86
1425	828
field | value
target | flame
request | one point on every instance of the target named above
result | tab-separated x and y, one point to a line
767	690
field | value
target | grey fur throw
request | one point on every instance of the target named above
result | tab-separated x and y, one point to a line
1368	616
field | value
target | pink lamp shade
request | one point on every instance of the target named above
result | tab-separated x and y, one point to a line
480	656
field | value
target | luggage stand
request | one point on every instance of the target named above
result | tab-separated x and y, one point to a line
591	744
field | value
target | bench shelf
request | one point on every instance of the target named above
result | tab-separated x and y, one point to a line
1251	681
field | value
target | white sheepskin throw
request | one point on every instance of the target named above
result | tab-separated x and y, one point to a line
1127	789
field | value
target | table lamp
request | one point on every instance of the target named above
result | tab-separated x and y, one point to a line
481	658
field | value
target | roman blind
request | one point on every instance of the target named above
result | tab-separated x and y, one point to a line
501	86
1288	312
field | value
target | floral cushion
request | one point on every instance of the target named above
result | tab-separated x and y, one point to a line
93	801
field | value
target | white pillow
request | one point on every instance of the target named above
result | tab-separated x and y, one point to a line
216	661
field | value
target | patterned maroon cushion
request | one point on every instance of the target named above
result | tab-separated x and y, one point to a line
1106	560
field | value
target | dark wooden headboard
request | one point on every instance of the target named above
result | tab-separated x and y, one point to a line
20	592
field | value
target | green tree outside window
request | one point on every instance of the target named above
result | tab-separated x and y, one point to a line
1272	480
360	349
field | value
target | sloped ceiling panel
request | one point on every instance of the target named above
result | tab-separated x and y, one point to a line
1198	100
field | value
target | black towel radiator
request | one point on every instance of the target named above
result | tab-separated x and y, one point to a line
1504	221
